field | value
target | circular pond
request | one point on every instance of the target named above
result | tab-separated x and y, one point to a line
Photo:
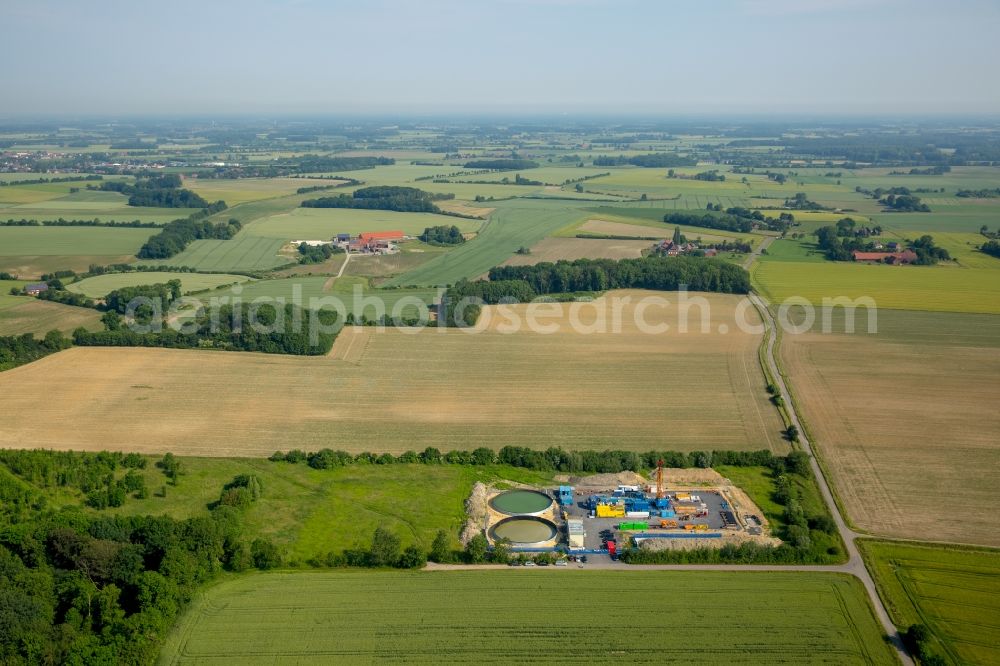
521	502
524	530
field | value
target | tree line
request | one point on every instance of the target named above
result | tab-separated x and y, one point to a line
307	164
178	234
43	181
17	350
736	218
293	330
508	164
442	235
658	273
655	160
554	459
382	197
158	191
96	222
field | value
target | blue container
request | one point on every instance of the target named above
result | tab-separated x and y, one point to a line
662	503
667	513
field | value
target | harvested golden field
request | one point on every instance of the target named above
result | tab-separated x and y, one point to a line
554	249
392	390
907	422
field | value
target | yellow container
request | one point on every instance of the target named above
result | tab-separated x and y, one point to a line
610	511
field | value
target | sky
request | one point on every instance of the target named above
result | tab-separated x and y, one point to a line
671	57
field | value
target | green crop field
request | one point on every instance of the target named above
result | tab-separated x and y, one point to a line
512	224
15	241
237	191
241	253
100	285
518	616
353	292
954	591
31	251
324	223
799	251
939	288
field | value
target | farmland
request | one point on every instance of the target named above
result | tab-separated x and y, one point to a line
954	591
324	223
937	288
242	253
395	390
349	291
330	510
237	191
100	285
428	617
554	249
30	251
901	418
31	315
513	224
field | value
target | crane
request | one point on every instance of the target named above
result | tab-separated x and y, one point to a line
659	479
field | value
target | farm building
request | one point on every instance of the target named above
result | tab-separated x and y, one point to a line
374	236
35	288
904	257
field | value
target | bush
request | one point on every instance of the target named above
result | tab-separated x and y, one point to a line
264	554
412	558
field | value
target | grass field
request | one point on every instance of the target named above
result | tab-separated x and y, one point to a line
509	617
330	510
324	223
954	592
906	421
40	317
242	190
393	391
100	285
242	253
17	241
341	290
555	249
512	225
936	288
31	251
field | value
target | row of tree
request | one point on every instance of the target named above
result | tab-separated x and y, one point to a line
382	197
649	160
177	235
96	222
267	328
651	272
159	191
507	164
17	350
555	459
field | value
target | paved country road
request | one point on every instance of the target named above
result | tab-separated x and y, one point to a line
855	565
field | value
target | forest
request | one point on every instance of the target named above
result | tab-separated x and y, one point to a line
385	197
266	328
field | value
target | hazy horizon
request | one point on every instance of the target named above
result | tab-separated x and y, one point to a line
390	58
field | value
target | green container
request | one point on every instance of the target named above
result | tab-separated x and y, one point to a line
633	526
